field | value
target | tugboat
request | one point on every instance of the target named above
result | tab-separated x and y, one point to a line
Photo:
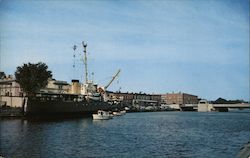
84	99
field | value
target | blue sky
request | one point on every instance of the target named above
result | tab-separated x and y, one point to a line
193	46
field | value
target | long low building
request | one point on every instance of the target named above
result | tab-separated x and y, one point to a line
137	99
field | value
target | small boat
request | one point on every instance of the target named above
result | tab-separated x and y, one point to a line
117	113
102	115
123	112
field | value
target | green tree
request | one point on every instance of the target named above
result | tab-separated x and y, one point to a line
2	75
32	77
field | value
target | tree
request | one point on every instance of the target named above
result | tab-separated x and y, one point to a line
32	77
220	101
2	75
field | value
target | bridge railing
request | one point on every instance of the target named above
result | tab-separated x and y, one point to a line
231	105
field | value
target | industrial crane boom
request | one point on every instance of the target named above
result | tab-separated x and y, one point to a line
117	73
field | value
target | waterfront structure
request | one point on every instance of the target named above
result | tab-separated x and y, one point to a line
137	100
179	98
156	97
56	86
143	100
115	96
127	98
9	87
205	106
11	93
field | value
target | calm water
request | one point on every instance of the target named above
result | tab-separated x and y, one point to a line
159	134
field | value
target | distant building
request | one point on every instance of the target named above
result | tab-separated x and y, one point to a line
142	100
179	98
137	99
156	97
127	98
12	95
9	87
55	86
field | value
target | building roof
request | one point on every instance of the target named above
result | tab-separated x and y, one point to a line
7	81
61	83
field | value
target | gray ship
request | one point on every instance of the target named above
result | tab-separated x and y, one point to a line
83	99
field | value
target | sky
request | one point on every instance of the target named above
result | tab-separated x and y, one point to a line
161	46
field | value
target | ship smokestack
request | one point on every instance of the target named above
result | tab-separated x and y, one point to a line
75	87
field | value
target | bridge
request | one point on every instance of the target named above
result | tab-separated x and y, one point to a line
245	105
204	106
225	107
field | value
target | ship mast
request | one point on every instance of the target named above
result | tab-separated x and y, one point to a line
74	60
85	61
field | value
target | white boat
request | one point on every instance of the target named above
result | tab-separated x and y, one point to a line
123	112
102	115
119	113
116	113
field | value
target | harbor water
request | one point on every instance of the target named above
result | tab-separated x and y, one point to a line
150	134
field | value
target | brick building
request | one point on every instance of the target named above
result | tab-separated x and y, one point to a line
179	98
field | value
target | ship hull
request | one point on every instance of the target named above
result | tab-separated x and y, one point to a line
60	107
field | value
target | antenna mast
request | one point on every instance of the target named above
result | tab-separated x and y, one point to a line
85	61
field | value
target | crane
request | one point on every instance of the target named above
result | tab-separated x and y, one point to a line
113	78
102	90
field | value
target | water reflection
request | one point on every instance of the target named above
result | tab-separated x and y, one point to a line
163	134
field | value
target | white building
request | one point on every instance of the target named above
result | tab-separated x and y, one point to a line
9	87
12	95
55	86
